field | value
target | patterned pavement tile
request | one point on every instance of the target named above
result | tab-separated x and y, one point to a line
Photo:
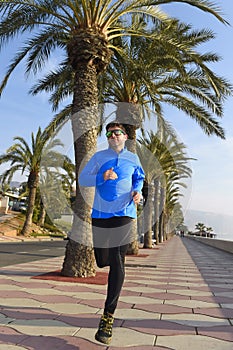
215	299
97	303
159	327
147	347
42	327
166	296
129	284
224	294
74	288
10	287
153	282
18	273
84	320
10	336
4	320
220	280
12	294
220	332
188	284
191	342
97	288
19	302
60	343
159	308
121	337
205	288
215	312
90	296
136	314
6	281
55	299
11	347
135	300
172	287
163	309
225	305
28	313
130	292
219	285
191	292
196	320
33	285
191	303
71	308
49	291
143	289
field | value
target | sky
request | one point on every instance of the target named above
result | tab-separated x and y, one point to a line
210	189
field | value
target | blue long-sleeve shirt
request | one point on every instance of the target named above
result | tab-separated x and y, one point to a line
113	197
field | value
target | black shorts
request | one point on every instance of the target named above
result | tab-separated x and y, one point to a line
113	232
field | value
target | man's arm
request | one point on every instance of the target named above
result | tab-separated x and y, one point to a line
89	175
137	182
136	197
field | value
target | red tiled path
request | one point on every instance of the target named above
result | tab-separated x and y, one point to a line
178	297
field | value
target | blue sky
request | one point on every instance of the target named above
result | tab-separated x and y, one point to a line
210	188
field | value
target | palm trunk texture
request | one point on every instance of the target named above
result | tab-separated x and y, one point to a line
32	185
79	257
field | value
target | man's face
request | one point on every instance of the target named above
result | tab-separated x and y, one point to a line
117	137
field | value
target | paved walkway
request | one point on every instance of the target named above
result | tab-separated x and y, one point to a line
185	303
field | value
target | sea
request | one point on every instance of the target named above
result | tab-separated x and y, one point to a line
221	224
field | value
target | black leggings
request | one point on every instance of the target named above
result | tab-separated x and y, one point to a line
114	257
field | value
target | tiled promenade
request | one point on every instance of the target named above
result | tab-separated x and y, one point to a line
184	303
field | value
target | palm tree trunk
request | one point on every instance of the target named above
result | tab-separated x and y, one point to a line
161	216
79	258
147	212
33	180
130	114
42	214
165	232
156	211
133	248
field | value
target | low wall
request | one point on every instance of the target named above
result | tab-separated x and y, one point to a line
4	205
227	246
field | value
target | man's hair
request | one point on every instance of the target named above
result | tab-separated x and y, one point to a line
116	123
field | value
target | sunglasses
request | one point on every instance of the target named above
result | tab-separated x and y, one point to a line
116	132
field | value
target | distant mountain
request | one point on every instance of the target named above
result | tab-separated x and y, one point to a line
221	224
15	184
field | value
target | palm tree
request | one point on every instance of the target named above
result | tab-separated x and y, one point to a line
165	69
152	170
200	227
27	159
166	165
176	218
86	31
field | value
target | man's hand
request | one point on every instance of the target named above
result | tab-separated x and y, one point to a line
136	197
110	174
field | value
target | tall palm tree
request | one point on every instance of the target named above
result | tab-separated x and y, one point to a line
165	69
86	31
27	159
200	227
166	165
177	218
